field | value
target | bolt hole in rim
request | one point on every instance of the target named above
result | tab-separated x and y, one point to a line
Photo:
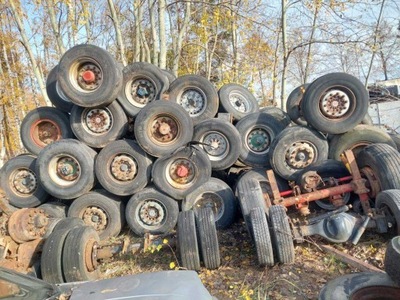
97	121
258	139
217	147
300	154
123	167
44	132
193	100
24	182
239	102
164	129
151	214
86	75
211	200
96	217
64	170
140	91
337	102
181	173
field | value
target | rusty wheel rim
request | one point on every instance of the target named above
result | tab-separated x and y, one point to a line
123	167
372	182
97	120
96	217
239	102
211	200
140	92
44	131
86	75
217	146
90	255
181	173
376	292
164	129
300	155
151	213
64	170
193	100
23	182
28	224
337	102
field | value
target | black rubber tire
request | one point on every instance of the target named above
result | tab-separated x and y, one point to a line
296	136
109	209
111	80
11	171
199	171
55	209
170	76
326	169
392	259
127	152
278	114
99	137
396	140
187	245
367	120
356	139
69	223
151	200
293	104
389	202
255	125
51	121
246	102
281	234
51	258
53	184
54	92
146	76
227	138
364	285
217	194
250	195
203	88
208	238
145	121
261	237
384	161
350	88
74	254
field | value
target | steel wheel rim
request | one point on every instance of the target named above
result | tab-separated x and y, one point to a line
96	217
164	129
140	91
97	121
64	170
45	131
239	102
86	75
193	100
212	200
123	167
24	182
181	173
258	139
337	102
300	154
217	147
151	213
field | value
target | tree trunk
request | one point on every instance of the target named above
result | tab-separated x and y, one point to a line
275	68
163	38
154	35
86	18
138	19
38	75
284	49
308	60
179	41
117	26
55	27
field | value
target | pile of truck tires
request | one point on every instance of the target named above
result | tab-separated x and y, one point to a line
136	145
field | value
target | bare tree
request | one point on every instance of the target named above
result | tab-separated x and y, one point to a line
117	27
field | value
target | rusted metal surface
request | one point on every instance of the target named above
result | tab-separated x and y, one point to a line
96	217
372	182
164	129
28	224
90	255
274	186
181	172
98	120
28	253
123	167
44	132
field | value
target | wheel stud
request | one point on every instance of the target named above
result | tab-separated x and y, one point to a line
88	76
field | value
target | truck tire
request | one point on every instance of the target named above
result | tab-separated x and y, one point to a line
293	104
54	92
278	114
188	247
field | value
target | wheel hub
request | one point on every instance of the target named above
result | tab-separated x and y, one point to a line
45	132
24	181
89	77
181	171
91	255
193	101
239	102
300	155
335	103
152	213
217	145
98	120
68	168
258	140
123	167
96	217
212	201
164	129
142	92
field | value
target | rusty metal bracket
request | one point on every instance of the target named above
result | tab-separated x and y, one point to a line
274	186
